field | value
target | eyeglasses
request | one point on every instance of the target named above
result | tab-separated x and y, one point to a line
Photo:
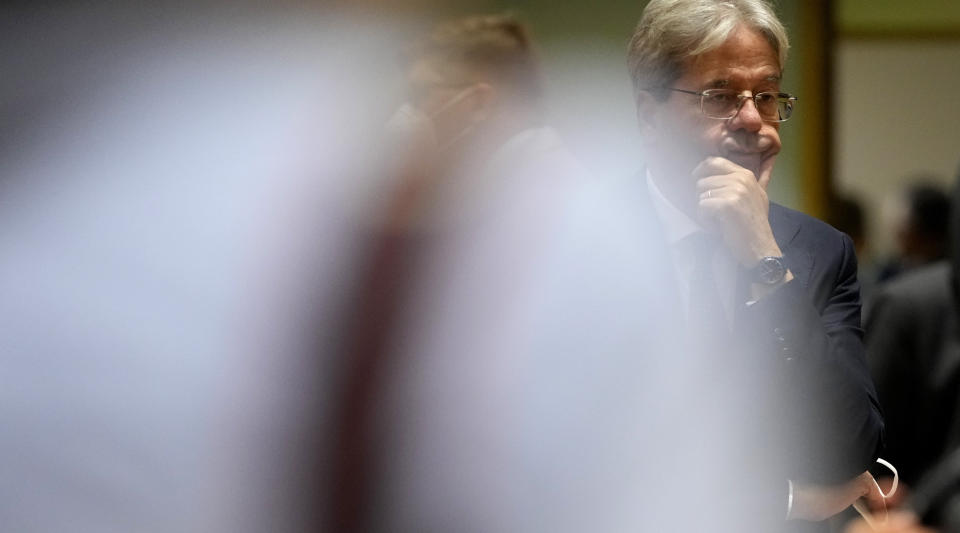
726	103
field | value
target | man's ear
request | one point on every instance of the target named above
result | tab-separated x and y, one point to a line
648	115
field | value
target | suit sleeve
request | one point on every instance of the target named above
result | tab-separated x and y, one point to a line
811	329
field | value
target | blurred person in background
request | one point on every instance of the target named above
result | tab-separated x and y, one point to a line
847	215
913	348
474	92
920	226
514	380
932	507
770	291
460	146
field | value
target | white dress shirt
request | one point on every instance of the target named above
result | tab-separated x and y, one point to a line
677	226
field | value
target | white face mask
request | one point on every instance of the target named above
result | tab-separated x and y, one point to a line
415	125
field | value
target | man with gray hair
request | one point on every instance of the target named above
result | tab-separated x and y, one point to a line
769	291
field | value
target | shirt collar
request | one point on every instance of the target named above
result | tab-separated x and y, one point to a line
676	224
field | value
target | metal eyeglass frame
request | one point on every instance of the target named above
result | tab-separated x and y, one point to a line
741	98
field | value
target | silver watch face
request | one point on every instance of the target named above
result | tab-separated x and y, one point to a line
770	270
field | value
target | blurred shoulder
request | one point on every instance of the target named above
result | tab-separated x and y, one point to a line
929	283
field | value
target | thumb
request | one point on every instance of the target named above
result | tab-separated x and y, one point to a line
765	171
872	492
874	495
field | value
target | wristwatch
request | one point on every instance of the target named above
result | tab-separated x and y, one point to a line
769	271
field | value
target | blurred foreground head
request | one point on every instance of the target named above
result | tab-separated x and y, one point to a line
475	78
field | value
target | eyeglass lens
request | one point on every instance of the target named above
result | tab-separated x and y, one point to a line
724	104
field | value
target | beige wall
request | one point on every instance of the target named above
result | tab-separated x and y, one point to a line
897	16
897	115
897	100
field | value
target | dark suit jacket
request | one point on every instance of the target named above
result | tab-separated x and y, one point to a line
810	329
799	369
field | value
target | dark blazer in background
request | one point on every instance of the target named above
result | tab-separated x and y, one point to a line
913	346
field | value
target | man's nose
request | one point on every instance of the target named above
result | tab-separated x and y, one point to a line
748	116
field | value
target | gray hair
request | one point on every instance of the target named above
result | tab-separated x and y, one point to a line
672	31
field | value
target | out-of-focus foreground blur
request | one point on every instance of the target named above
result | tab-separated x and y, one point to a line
205	307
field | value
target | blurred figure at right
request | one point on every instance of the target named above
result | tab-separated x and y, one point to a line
920	227
934	507
913	349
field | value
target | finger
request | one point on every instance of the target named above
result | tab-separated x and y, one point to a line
739	175
721	186
712	212
715	165
712	207
712	193
866	515
716	182
874	495
897	498
898	523
859	526
904	522
765	172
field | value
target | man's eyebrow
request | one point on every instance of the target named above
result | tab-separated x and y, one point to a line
717	84
724	82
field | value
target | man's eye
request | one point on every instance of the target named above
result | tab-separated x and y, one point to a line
721	98
766	98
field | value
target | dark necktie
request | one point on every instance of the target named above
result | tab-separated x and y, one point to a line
706	320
